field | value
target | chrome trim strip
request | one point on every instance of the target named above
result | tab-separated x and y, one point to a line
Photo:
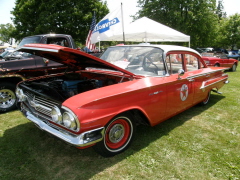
79	140
204	82
204	74
40	49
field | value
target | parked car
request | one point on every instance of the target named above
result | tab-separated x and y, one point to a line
19	66
102	100
234	55
220	60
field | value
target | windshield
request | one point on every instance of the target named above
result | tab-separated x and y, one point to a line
139	60
29	40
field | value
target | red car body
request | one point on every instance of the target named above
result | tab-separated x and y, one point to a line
149	85
221	61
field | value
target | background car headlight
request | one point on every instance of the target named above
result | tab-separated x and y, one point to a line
56	115
21	96
69	121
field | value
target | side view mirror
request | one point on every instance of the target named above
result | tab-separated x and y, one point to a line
180	73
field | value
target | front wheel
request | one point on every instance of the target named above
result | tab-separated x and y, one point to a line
118	135
234	67
7	97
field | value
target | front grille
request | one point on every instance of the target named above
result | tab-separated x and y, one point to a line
39	106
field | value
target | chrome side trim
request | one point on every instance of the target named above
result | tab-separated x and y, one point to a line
204	82
205	74
80	140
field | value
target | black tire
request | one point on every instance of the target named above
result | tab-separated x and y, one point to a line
206	100
234	68
8	98
118	135
216	65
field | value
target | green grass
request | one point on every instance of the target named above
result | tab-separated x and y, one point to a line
202	143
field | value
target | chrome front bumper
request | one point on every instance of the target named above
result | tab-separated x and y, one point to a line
81	140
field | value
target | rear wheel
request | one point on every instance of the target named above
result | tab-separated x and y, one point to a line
118	136
7	97
206	100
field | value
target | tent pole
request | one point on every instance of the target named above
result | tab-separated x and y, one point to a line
123	24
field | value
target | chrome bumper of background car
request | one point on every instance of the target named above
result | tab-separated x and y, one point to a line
81	140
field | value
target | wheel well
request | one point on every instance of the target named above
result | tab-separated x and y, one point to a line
13	80
139	116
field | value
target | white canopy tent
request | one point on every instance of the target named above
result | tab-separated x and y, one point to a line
147	30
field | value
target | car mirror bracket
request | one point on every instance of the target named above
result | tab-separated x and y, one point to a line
180	73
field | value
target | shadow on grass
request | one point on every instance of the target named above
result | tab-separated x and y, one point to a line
29	153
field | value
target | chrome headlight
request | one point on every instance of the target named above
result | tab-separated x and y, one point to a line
21	96
56	115
70	120
65	117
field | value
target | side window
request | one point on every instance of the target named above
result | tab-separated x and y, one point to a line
191	62
174	63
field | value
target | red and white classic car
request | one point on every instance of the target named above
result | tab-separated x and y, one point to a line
99	102
220	60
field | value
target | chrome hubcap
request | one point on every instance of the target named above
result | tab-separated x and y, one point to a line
7	98
116	133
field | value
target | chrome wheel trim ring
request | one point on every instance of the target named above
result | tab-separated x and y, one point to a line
7	98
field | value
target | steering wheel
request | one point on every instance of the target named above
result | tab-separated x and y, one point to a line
147	61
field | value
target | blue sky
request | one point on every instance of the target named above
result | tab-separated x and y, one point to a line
129	8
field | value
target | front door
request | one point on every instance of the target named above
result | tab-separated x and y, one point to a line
180	91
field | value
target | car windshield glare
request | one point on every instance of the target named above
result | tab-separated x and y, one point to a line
141	60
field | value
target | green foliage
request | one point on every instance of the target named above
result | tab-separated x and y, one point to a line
195	18
72	17
6	31
229	32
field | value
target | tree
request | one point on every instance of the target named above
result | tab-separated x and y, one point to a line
220	10
72	17
229	32
6	32
196	18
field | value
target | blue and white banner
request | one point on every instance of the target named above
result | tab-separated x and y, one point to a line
110	25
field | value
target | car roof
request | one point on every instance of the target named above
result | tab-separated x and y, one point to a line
47	35
167	48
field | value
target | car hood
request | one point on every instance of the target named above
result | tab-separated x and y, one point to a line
70	57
